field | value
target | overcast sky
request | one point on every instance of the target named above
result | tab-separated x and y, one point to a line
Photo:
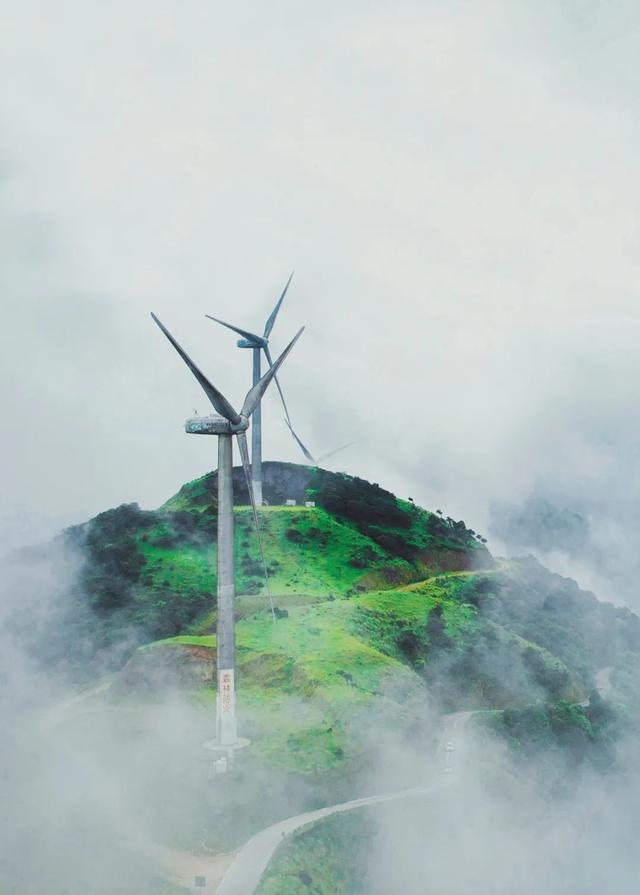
456	186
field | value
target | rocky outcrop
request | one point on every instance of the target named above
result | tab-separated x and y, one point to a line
166	666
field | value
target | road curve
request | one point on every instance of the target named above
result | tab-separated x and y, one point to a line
250	863
245	873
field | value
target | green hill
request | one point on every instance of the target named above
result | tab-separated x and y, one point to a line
368	588
378	602
386	614
152	574
438	640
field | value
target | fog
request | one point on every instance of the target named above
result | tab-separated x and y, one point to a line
456	186
508	837
113	795
105	786
456	189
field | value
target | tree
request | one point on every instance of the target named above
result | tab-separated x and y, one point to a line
436	628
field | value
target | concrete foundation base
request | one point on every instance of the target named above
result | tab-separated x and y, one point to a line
215	746
223	756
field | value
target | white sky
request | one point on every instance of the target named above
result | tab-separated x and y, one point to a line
455	184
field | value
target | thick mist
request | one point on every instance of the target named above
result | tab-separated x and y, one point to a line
456	186
507	825
110	791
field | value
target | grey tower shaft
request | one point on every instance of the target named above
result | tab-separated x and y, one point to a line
226	724
256	435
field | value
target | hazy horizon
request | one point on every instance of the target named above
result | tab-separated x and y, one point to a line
455	187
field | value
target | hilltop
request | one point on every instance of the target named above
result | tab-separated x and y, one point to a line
150	574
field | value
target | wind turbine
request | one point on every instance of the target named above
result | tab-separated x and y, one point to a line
258	344
226	423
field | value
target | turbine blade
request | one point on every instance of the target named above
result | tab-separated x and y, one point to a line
251	337
254	396
307	454
218	400
277	381
246	465
272	319
337	451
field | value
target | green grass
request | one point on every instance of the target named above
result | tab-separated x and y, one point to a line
307	681
326	859
382	617
307	551
208	641
310	679
179	569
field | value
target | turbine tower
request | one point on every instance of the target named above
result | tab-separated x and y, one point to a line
226	423
259	344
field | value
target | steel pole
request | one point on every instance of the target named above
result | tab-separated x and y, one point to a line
226	724
256	435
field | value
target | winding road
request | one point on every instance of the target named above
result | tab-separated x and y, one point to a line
250	863
240	873
245	873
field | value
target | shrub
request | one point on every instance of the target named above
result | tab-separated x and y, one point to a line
292	534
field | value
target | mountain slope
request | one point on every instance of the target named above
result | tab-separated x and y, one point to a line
387	615
356	559
145	575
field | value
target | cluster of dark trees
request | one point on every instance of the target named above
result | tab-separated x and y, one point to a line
112	559
419	645
360	501
120	603
553	612
572	735
447	529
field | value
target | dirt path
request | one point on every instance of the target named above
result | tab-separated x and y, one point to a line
183	867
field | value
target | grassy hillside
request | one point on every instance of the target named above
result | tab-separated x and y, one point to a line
310	681
387	615
146	575
328	858
379	602
369	589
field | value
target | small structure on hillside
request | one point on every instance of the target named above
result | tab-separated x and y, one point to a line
309	503
290	503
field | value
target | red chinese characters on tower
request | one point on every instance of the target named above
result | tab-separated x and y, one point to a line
226	690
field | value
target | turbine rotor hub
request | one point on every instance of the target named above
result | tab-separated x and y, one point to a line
242	426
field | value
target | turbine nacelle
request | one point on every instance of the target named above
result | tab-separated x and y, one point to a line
258	342
214	424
